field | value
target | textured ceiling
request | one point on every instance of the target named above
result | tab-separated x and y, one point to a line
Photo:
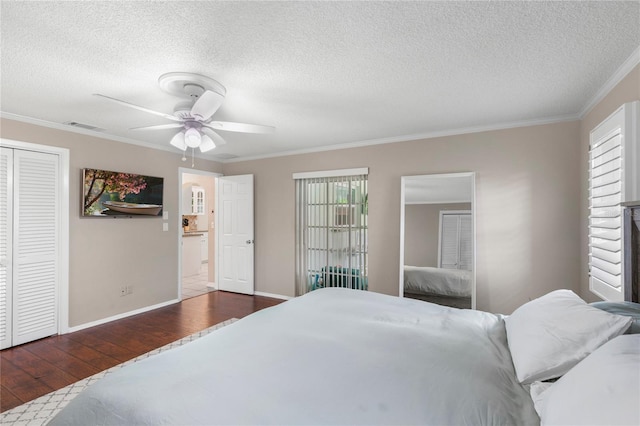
322	73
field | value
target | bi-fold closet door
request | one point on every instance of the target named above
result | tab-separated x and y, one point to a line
30	210
456	241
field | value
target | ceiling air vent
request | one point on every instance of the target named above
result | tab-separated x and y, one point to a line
83	126
225	156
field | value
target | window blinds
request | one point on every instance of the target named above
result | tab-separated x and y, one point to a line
331	232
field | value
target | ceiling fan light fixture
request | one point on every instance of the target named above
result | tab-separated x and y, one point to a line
178	141
207	144
192	138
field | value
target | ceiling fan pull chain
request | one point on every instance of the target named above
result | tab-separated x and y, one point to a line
193	156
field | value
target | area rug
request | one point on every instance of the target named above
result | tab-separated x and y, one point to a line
41	410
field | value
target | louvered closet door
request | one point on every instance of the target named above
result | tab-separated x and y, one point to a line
466	243
6	231
456	241
35	246
449	238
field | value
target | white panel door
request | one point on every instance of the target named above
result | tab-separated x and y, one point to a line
6	242
36	250
235	233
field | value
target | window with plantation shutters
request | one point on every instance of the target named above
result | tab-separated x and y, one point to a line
613	180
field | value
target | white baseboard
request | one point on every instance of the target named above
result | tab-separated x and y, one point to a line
121	316
274	296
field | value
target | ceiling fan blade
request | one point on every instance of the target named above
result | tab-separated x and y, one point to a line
150	111
217	139
159	127
206	105
229	126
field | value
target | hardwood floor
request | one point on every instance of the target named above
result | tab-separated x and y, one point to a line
34	369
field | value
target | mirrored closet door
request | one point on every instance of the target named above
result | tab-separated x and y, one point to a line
437	232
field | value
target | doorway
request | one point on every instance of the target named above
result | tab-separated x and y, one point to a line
197	234
34	251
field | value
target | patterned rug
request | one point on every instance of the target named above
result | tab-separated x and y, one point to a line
41	410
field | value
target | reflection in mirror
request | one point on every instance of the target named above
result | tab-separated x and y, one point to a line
437	239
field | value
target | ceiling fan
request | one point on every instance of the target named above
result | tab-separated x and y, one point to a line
194	117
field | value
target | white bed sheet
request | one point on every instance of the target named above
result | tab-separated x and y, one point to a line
333	356
438	281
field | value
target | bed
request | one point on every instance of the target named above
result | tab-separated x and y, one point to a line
451	287
333	356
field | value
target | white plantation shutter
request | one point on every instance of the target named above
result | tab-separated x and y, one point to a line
36	250
6	231
613	179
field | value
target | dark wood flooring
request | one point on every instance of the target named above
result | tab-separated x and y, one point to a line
34	369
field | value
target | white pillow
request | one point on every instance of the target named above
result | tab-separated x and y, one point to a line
538	391
549	335
603	389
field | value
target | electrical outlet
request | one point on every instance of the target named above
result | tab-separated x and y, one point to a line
123	291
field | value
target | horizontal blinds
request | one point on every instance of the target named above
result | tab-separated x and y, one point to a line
605	212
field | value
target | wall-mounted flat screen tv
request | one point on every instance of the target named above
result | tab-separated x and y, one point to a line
112	194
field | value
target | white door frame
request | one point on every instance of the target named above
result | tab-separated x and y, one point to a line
181	171
63	239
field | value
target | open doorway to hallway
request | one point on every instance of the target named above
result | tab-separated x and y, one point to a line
197	236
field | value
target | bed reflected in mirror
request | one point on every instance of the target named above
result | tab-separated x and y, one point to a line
437	250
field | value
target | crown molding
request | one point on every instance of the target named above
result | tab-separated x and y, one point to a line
413	137
87	132
624	69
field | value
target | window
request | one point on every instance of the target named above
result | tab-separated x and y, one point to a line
331	230
614	157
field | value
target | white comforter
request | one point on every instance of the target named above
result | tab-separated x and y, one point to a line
439	281
334	356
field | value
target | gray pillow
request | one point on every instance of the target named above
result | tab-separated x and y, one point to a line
628	309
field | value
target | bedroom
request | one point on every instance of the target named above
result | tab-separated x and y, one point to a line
525	170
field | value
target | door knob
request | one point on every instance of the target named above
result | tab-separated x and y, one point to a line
249	241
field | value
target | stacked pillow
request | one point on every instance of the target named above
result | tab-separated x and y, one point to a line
603	389
551	335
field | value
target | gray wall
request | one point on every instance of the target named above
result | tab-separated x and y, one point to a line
104	253
527	192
